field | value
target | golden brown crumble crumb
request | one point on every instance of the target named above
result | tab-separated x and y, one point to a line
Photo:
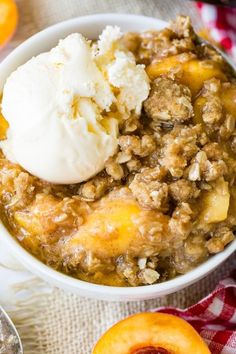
220	239
169	101
183	190
132	144
149	191
95	188
180	223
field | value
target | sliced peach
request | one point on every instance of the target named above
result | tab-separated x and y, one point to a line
41	220
3	127
112	228
8	20
28	222
215	203
102	278
228	97
164	66
232	205
31	243
44	217
151	333
198	108
229	100
38	218
194	71
109	230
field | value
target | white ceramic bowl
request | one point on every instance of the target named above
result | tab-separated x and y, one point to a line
91	27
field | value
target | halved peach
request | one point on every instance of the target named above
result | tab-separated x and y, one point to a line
151	333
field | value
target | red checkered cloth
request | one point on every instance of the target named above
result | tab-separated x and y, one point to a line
214	317
221	23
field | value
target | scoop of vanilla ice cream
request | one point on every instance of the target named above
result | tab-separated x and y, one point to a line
53	105
122	72
56	106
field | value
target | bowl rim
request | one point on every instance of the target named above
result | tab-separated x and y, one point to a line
73	283
81	20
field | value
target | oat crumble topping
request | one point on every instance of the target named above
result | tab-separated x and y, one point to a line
166	200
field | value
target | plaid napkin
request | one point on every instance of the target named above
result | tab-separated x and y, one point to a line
221	24
214	317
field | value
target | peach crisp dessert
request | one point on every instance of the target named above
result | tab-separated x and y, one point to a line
119	157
